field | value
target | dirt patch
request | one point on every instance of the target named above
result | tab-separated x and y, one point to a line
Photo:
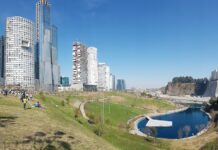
40	134
5	121
48	141
117	99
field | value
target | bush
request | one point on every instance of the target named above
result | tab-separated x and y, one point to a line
122	125
62	103
99	130
213	101
108	122
42	96
77	113
91	117
68	99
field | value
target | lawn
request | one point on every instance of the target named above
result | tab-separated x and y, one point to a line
50	128
56	127
115	117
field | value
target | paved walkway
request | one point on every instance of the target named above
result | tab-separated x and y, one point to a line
158	123
82	110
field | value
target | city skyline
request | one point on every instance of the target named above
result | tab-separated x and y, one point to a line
147	47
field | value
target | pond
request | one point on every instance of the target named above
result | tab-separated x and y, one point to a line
186	123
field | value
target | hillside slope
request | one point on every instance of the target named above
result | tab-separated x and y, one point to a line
52	128
179	89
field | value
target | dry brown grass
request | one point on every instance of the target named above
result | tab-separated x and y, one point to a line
195	143
21	134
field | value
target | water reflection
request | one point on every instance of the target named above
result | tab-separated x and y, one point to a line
185	124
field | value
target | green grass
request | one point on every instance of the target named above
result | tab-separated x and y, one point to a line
56	117
59	113
116	129
116	115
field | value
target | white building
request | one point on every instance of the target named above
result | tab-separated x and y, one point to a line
103	77
19	52
112	82
92	66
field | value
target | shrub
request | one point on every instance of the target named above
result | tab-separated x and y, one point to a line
62	103
99	130
77	113
42	96
68	99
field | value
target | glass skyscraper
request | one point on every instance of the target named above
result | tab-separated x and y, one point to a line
121	85
46	60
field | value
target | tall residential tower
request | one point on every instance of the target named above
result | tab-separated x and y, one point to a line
80	70
103	77
92	66
19	53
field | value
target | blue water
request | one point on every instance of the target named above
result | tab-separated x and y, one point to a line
185	124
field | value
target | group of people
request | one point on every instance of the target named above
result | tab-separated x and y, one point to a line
24	97
27	98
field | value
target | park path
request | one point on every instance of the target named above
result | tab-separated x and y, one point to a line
82	110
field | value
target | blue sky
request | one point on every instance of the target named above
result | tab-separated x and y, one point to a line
146	42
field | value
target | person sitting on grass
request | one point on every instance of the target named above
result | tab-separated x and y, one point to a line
38	105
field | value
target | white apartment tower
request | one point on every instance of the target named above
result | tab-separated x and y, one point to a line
19	53
112	82
103	77
92	66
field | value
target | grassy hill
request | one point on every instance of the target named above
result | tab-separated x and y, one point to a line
52	128
61	126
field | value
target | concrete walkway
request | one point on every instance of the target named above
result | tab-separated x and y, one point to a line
82	110
158	123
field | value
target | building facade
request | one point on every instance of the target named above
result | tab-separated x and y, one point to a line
214	75
19	53
103	77
121	85
64	81
80	70
92	66
2	59
47	71
112	82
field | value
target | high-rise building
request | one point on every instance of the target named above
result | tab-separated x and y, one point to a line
85	67
121	85
103	77
92	66
212	87
47	70
54	62
64	81
2	59
19	53
112	82
80	70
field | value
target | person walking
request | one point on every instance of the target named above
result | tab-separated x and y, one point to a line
24	103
